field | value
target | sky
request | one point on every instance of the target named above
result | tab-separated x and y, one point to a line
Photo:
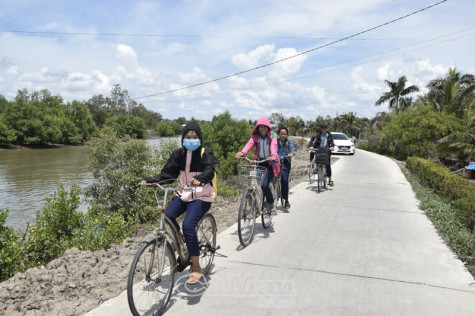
156	49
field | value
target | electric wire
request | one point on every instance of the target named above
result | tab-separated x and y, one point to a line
293	56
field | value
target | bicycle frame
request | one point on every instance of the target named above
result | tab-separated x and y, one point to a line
255	189
167	230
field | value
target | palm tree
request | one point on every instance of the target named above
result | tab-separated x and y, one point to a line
347	123
453	75
396	95
461	144
378	121
454	93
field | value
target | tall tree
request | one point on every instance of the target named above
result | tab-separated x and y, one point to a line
460	143
397	91
454	93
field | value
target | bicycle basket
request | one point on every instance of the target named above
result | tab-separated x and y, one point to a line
250	175
321	155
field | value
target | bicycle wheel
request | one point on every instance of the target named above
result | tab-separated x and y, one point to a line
266	216
151	278
311	175
206	231
246	218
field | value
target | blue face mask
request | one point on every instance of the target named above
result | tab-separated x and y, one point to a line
191	144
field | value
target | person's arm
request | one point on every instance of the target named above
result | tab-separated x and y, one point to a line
170	171
316	142
209	165
291	147
330	140
247	148
310	143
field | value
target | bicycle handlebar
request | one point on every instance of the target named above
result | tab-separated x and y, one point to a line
255	161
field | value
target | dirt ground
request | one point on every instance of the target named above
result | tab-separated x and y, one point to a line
81	280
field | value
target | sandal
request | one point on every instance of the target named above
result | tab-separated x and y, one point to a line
195	276
330	183
272	210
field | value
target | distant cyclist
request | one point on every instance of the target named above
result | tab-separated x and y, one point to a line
266	148
285	148
325	139
196	169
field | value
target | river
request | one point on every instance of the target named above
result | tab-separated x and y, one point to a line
28	176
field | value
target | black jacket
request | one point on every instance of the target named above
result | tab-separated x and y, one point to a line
312	140
317	141
177	161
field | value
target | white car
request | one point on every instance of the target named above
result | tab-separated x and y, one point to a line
343	145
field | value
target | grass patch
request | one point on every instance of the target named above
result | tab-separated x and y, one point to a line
455	234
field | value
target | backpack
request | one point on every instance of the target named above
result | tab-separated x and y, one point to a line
215	179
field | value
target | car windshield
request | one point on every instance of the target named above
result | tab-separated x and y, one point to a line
340	136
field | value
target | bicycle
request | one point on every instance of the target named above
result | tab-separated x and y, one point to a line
152	272
251	206
317	168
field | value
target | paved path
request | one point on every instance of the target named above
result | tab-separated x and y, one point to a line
360	248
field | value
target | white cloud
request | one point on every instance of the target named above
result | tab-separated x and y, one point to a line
383	72
127	56
213	41
253	58
288	66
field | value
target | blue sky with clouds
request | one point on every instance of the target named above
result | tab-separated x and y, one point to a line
151	47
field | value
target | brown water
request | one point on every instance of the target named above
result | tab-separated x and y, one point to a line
28	176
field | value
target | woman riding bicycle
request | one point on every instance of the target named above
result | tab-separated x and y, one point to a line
195	168
285	149
266	148
325	139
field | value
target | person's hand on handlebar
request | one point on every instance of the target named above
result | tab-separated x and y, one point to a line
239	155
195	182
310	148
143	183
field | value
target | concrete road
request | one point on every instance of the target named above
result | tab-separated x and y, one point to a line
360	248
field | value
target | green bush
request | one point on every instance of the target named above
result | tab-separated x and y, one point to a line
117	169
168	128
415	131
128	125
10	248
451	187
99	231
226	136
54	225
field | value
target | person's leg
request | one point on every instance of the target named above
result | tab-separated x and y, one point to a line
285	183
312	154
194	213
285	180
175	209
265	184
329	171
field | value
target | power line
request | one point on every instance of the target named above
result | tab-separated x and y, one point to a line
201	36
294	56
331	68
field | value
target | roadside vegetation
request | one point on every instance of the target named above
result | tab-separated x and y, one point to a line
437	132
450	209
